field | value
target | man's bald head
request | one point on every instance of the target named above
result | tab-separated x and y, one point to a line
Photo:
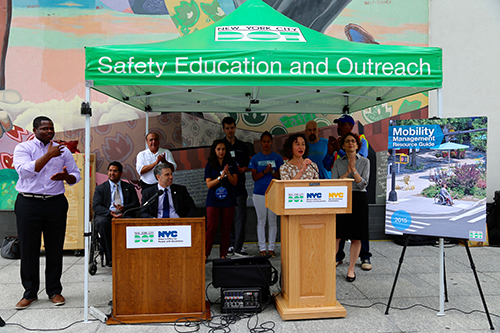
312	132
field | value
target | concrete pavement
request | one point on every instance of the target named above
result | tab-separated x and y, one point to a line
413	309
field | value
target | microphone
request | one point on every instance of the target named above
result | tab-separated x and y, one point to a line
153	198
147	203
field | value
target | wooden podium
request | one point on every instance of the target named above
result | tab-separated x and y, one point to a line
308	245
159	284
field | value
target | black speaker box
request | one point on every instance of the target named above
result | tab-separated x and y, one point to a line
243	272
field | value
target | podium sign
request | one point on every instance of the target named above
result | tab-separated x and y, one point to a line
308	210
316	197
158	236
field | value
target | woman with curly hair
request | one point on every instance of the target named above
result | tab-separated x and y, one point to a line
298	166
221	176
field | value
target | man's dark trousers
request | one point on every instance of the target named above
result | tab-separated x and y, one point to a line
34	217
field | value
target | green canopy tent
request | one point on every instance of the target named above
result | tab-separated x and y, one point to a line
258	60
255	60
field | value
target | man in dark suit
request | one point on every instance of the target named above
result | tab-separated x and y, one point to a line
111	200
175	200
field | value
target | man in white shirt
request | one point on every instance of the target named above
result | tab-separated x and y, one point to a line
149	158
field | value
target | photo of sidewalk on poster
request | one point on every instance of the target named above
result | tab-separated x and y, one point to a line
436	178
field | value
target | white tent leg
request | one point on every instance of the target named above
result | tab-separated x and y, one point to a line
87	211
147	128
440	103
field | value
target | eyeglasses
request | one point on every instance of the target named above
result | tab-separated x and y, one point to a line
350	141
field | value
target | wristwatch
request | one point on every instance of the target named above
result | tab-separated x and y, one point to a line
219	178
355	172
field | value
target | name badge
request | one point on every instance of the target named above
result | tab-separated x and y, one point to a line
221	193
233	153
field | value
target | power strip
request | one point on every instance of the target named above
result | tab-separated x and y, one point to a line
98	314
241	299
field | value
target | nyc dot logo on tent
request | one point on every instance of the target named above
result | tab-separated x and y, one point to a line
258	33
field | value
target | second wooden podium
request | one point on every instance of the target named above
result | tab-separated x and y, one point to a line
308	209
152	283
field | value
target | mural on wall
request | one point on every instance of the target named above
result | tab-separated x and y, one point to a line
42	62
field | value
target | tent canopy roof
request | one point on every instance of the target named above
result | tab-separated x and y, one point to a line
256	59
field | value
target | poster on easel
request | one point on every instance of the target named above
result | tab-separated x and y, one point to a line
436	178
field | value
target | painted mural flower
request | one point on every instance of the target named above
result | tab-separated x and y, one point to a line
213	10
129	172
5	122
99	160
102	129
377	113
195	128
17	133
165	119
6	160
118	148
177	135
186	15
131	123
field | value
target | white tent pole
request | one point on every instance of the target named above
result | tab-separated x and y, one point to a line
87	210
147	127
440	103
441	240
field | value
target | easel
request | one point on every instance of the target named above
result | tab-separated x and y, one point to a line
442	278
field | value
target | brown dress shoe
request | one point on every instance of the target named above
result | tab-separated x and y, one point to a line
24	303
272	254
58	300
262	253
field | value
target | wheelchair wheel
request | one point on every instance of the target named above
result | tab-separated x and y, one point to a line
93	268
439	200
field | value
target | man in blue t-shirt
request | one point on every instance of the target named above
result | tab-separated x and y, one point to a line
318	148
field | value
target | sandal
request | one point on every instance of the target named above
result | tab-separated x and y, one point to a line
351	279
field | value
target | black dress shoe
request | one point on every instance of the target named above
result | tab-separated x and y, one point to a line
109	263
350	279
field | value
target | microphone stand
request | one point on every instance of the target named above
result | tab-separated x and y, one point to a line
149	202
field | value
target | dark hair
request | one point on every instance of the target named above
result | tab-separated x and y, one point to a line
212	158
38	121
266	133
116	164
288	145
146	137
160	166
355	136
228	121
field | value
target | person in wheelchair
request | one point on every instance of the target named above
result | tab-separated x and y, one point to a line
445	196
111	200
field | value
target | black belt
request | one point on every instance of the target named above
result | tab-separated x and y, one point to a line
38	196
